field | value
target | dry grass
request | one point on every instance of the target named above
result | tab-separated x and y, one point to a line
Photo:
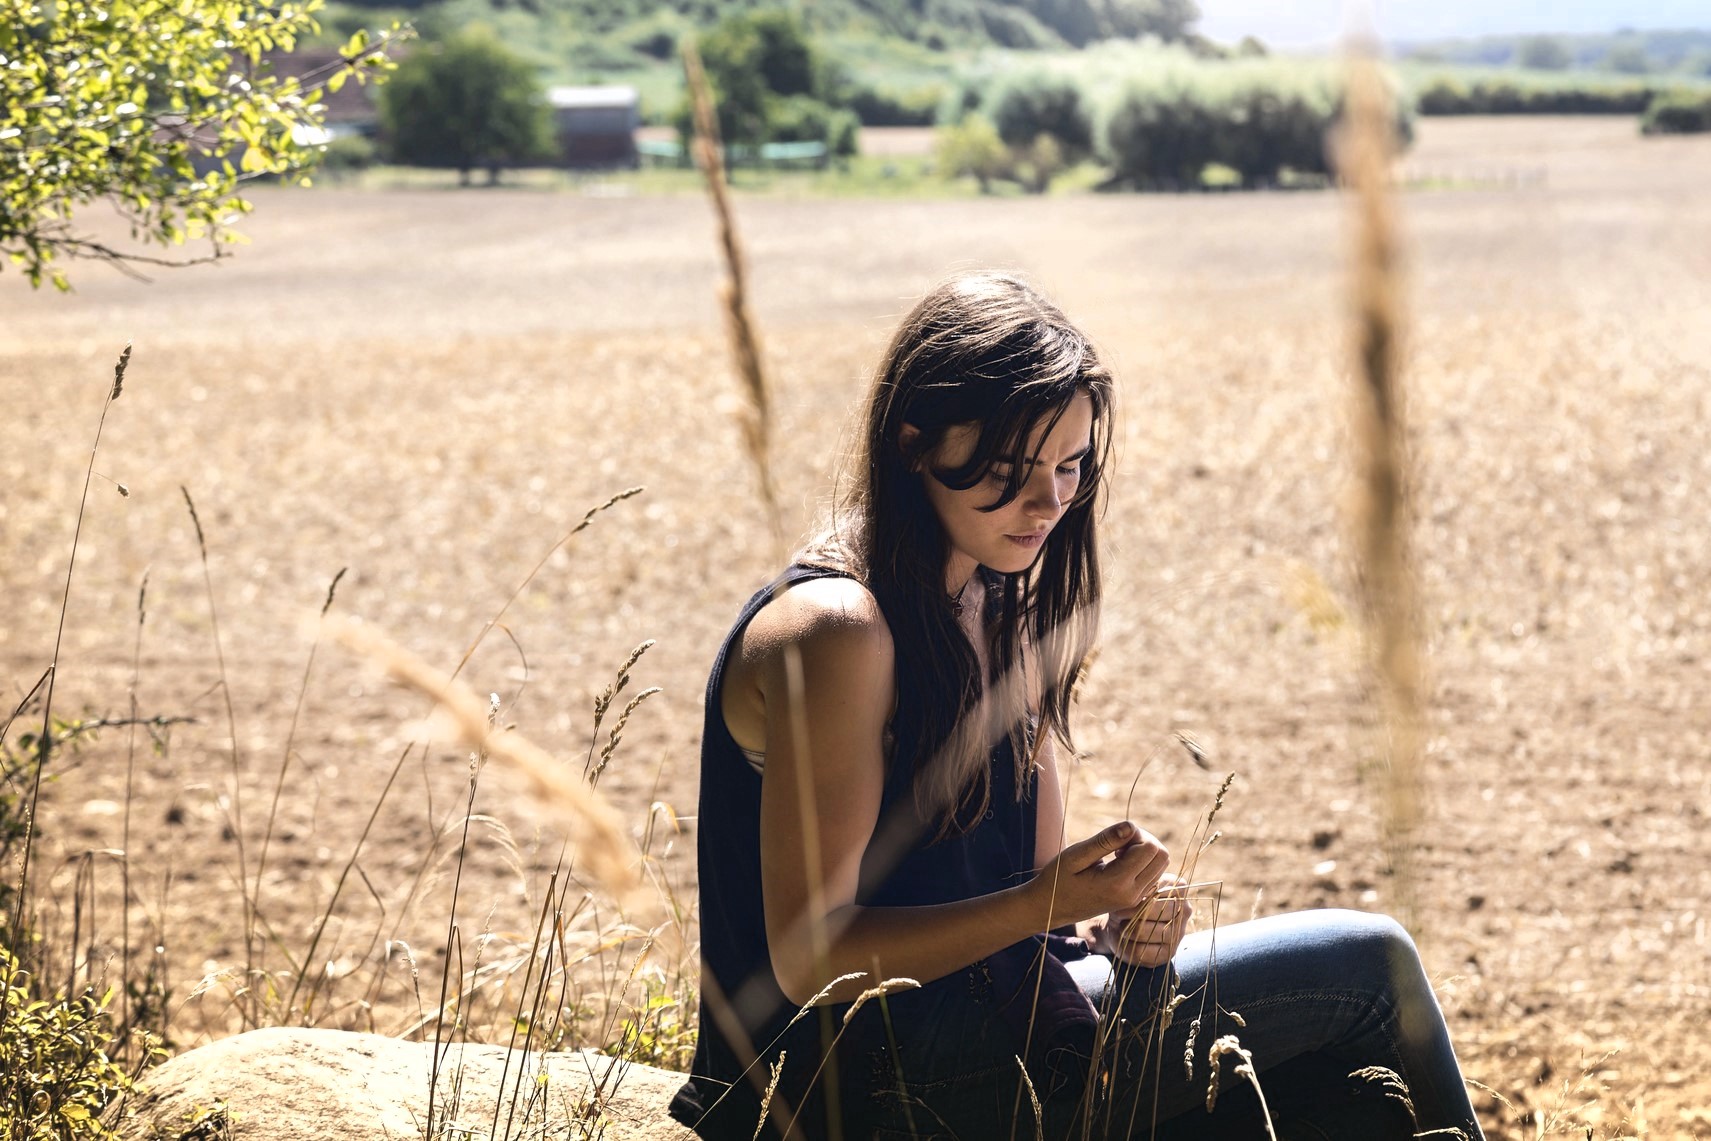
1380	412
433	387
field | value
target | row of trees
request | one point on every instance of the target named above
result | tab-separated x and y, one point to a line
1162	122
1678	113
470	103
1445	96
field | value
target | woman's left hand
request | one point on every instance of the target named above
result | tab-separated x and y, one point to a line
1147	936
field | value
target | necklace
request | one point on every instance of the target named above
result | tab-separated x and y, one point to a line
956	599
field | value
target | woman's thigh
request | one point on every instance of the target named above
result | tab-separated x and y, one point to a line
1344	986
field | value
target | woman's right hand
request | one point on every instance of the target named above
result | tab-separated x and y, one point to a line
1113	870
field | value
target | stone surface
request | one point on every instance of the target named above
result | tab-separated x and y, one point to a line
316	1085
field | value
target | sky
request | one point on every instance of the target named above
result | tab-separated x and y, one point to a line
1301	23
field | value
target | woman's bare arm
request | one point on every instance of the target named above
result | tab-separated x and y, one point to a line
822	660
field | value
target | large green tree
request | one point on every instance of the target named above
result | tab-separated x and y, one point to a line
468	102
161	109
772	85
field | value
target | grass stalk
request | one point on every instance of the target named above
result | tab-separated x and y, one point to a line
290	739
1368	144
350	864
44	742
607	849
125	824
733	290
247	997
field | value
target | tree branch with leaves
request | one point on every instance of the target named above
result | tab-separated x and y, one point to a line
161	108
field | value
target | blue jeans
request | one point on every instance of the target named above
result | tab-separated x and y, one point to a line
1340	990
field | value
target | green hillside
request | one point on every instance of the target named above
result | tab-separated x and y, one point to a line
904	53
1630	53
581	39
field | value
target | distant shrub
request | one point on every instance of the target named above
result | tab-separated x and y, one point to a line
467	103
1013	28
1034	104
886	107
770	83
1257	120
346	154
1628	58
1544	53
1678	113
1160	137
1445	96
804	119
656	36
971	148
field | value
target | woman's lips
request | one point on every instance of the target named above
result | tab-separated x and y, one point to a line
1031	540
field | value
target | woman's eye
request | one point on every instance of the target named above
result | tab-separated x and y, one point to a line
998	475
1070	469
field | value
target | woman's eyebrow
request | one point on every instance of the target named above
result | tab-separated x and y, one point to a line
1085	451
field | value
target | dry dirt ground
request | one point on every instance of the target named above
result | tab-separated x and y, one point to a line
431	387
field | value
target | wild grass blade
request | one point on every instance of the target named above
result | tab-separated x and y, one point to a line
1387	578
733	290
603	844
44	742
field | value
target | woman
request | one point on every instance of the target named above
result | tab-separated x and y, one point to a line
896	941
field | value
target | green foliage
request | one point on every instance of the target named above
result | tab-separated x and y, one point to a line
1628	59
56	1076
970	147
890	107
1080	22
1544	53
19	764
1042	119
1678	113
465	103
771	85
1447	96
159	110
1039	104
1258	118
347	154
804	119
1662	50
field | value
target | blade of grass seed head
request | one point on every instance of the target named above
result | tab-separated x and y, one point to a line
617	734
587	518
733	292
766	1098
1033	1099
404	753
609	855
1367	145
44	741
883	990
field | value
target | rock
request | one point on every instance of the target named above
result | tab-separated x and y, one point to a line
314	1085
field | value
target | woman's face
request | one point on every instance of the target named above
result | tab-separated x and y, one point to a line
1009	539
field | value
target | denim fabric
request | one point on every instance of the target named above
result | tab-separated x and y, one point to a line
1320	993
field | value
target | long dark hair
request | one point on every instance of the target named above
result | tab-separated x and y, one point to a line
981	349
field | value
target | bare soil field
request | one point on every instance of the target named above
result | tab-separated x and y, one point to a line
431	388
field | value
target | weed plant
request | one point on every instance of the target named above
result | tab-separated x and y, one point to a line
608	964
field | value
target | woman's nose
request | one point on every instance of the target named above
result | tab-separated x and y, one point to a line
1041	495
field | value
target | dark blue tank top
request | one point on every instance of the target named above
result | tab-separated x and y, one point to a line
903	866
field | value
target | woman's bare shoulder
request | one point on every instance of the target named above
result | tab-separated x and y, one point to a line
833	615
845	653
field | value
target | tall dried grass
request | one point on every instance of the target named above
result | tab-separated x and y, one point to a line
1386	572
733	289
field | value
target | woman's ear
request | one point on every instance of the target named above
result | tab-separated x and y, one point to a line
906	438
